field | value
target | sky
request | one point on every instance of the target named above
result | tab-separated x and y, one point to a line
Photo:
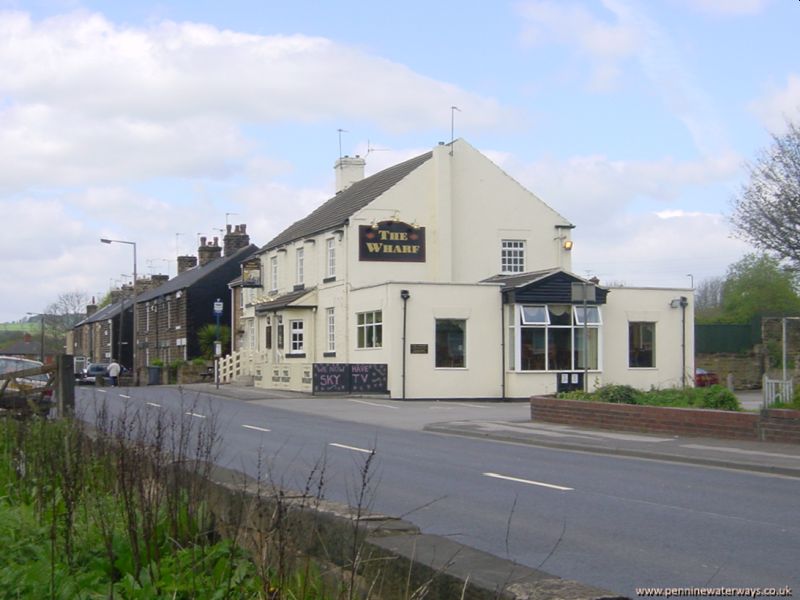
158	122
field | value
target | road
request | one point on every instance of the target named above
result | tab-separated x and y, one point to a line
611	522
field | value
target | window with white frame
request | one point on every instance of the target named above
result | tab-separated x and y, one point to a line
279	327
512	256
273	268
330	321
296	328
555	337
642	344
451	337
369	329
299	266
330	253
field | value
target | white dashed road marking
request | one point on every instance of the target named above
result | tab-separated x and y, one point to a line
352	448
257	428
191	414
124	396
372	403
529	482
153	404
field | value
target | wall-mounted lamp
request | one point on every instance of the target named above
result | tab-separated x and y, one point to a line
567	245
414	225
396	216
404	294
374	224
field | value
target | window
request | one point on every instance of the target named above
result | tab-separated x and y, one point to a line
273	263
512	256
552	337
369	329
330	319
450	343
268	334
169	314
296	328
299	264
331	257
642	344
279	327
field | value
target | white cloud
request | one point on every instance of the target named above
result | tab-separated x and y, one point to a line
779	105
727	7
591	190
605	43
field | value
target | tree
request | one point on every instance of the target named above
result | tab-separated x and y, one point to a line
767	210
708	299
61	316
207	335
758	285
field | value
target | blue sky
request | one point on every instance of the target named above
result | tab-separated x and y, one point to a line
149	121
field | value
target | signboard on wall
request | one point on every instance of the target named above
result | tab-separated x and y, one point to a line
345	378
251	273
393	241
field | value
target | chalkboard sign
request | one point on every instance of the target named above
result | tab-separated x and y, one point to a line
345	378
369	378
331	377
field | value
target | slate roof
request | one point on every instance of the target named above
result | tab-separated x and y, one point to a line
549	286
343	205
191	276
107	312
285	300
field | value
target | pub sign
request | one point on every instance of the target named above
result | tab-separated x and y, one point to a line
391	241
251	273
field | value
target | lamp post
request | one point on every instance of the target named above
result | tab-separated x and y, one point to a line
135	320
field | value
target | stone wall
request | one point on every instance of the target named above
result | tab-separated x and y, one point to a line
747	369
773	425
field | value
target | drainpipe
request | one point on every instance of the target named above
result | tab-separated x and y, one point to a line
502	347
405	296
684	304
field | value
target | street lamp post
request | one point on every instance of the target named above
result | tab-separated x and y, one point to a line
135	320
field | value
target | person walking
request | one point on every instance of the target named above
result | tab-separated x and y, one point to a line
113	372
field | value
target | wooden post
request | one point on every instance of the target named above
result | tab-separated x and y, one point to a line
65	385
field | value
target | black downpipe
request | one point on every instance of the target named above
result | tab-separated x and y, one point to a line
502	346
405	296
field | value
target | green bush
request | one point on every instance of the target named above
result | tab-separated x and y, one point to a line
618	394
718	397
714	397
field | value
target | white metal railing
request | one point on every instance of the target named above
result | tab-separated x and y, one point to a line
777	390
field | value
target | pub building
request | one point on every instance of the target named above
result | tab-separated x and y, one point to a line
442	277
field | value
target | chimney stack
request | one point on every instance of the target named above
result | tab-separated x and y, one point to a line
349	170
208	251
185	263
91	308
235	239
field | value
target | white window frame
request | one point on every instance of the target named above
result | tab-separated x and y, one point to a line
512	256
330	323
299	266
366	322
524	321
296	336
330	258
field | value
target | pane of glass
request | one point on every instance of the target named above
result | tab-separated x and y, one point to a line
450	343
592	336
559	349
592	311
378	316
379	334
560	314
360	318
361	337
532	350
534	315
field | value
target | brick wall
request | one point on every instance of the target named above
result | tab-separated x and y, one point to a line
779	425
773	425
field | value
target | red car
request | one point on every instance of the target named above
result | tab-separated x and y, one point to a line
703	378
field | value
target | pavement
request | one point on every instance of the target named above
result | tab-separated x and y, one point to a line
760	457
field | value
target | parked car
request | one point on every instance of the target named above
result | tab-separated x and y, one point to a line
10	364
703	378
91	372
